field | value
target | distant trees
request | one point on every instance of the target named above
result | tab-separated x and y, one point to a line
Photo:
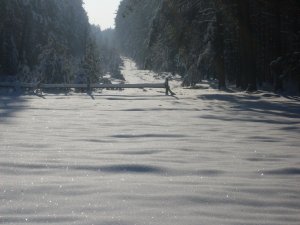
50	41
109	59
134	23
231	40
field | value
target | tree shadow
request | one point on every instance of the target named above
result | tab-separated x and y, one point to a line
280	112
10	104
292	97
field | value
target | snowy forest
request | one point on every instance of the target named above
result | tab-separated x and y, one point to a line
52	41
253	43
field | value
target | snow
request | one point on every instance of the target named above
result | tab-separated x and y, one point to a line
140	157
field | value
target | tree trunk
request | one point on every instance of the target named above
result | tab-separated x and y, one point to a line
248	76
219	47
278	82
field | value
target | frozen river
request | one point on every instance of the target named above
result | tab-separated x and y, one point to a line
140	157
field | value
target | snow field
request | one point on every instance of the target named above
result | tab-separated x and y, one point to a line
140	157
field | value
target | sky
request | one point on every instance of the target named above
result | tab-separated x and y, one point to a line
102	12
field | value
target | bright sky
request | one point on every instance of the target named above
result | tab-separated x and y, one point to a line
102	12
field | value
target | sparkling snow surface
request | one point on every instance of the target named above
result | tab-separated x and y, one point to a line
140	157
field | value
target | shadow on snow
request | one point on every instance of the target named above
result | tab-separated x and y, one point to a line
258	105
10	104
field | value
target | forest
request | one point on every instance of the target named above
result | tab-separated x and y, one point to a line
53	42
250	44
220	148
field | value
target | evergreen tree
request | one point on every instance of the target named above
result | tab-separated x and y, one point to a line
50	41
231	40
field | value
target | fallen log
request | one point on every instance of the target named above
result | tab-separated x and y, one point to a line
88	86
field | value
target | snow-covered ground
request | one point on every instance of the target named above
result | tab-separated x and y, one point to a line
140	157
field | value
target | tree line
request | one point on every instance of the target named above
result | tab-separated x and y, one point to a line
250	43
51	41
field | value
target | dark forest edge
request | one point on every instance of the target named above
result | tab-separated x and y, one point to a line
252	44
